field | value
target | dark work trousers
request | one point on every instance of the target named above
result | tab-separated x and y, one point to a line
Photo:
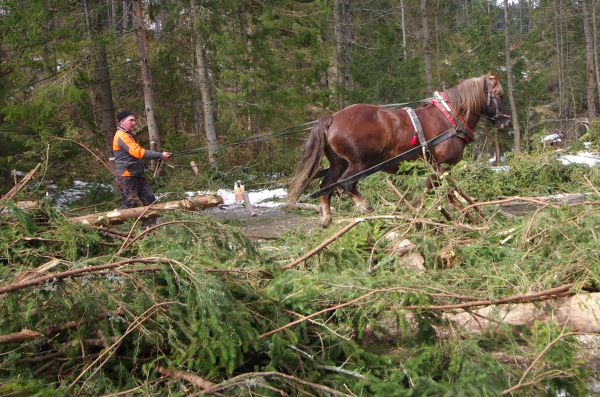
132	188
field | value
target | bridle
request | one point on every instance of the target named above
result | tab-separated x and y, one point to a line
492	98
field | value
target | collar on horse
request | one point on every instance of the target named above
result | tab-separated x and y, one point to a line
440	101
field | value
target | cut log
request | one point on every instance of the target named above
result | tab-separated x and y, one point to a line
579	312
151	211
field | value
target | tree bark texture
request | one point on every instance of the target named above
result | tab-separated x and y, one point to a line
510	83
201	74
589	58
403	28
342	20
152	211
426	48
146	78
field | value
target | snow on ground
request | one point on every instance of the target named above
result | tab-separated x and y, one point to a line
261	198
585	158
62	198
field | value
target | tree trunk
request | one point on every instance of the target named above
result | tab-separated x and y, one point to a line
589	57
201	74
146	78
347	40
426	49
104	93
102	74
497	147
595	49
152	211
125	17
338	22
403	28
509	77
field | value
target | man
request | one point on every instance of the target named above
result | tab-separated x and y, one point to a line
129	165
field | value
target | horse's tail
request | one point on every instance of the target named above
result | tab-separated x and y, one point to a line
309	164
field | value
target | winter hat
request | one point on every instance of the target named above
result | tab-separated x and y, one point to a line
123	115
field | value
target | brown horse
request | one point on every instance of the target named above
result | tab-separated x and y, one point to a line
362	136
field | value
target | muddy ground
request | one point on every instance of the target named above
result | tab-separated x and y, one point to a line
262	223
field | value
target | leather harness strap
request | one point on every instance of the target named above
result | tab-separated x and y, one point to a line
441	103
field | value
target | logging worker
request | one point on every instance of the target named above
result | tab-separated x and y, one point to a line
129	165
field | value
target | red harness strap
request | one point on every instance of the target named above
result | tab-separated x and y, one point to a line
469	135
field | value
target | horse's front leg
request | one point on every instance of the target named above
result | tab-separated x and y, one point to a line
325	210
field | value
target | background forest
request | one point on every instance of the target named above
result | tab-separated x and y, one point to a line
497	297
205	74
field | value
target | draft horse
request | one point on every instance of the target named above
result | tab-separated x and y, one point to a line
360	137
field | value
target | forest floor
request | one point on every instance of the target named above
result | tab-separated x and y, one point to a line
265	223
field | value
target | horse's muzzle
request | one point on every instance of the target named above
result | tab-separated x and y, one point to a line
501	120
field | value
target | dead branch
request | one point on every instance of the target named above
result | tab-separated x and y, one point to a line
19	186
324	244
20	336
241	379
523	298
77	273
190	377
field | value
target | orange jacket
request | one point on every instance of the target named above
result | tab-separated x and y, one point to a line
129	154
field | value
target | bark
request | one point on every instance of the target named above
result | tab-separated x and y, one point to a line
577	312
497	147
20	336
95	25
339	50
152	211
190	377
426	48
125	17
201	74
589	57
146	78
509	83
403	28
595	49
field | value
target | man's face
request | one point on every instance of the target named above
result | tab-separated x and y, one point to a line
128	123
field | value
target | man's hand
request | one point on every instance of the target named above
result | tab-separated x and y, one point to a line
166	155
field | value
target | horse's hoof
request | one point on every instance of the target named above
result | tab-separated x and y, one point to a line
325	222
365	210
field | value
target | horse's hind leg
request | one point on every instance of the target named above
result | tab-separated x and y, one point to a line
337	165
361	204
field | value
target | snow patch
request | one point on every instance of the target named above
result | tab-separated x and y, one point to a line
260	198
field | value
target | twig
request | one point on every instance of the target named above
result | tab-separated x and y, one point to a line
401	196
237	379
17	188
108	352
323	244
508	200
89	150
77	273
538	296
521	384
190	377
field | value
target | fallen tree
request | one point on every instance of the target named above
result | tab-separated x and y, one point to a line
152	211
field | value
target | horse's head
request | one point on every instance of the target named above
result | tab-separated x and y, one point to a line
494	107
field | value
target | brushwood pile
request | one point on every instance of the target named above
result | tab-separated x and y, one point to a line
195	306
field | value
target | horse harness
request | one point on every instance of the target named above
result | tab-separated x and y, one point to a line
458	129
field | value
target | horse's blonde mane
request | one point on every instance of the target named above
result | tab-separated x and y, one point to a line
468	96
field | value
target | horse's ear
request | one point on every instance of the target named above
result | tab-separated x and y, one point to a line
493	79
